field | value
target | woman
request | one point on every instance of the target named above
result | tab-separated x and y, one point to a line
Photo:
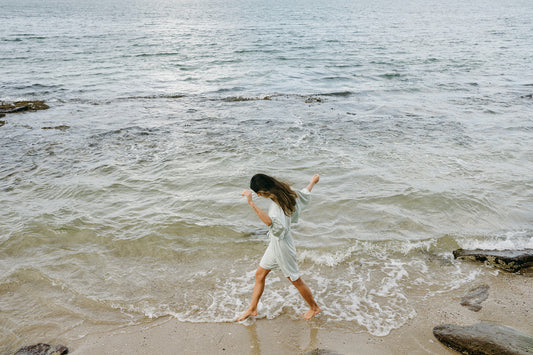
285	208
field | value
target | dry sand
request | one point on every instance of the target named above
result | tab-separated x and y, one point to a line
510	303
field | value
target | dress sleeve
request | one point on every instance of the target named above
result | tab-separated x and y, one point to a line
279	222
277	229
303	199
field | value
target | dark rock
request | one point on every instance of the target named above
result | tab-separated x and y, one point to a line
61	128
36	349
20	106
508	260
475	296
17	109
318	351
312	99
238	99
484	338
60	350
42	349
2	115
2	122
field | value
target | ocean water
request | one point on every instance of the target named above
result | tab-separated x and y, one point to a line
121	203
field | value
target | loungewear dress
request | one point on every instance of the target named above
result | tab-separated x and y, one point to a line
281	252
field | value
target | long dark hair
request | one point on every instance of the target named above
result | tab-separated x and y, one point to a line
280	192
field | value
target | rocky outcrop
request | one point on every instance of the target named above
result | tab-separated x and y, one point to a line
508	260
474	297
42	349
484	338
20	106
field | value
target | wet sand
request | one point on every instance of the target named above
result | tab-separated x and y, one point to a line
509	303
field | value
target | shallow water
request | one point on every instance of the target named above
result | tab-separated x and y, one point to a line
417	117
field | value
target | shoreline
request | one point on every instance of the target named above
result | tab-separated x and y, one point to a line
508	304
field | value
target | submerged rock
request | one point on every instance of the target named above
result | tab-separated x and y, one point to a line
42	349
60	128
312	99
20	106
238	99
508	260
484	338
475	296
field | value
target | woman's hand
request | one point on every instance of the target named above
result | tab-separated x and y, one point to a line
248	195
314	180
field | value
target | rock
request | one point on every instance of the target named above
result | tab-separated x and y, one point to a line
61	128
508	260
60	350
238	99
33	349
318	351
42	349
475	296
312	99
16	109
2	122
484	338
20	106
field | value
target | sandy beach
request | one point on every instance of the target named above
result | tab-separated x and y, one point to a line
509	303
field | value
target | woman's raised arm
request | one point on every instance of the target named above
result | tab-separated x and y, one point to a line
314	180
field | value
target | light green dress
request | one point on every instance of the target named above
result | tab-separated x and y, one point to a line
281	252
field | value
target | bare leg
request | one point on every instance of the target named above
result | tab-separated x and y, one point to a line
259	286
308	297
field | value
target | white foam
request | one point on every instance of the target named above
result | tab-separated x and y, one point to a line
513	240
374	285
325	258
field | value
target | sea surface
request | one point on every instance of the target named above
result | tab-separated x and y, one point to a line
122	202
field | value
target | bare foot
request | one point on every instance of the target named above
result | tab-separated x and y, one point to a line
311	313
248	313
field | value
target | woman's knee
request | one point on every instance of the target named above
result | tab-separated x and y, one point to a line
297	282
260	273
